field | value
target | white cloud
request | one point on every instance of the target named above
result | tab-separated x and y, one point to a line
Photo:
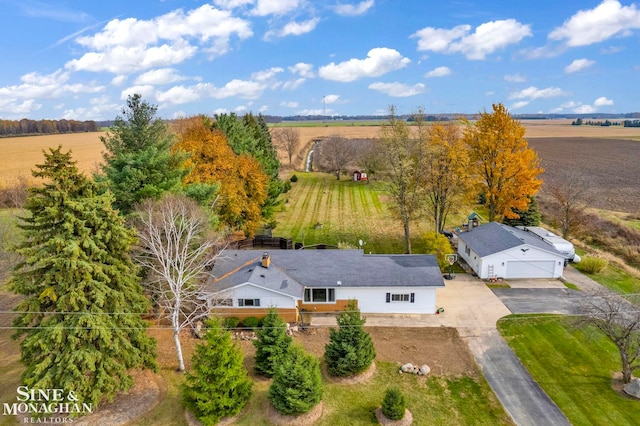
118	80
231	4
535	93
293	84
275	7
519	104
46	86
317	111
438	72
331	99
293	28
290	104
486	39
578	65
302	69
398	90
130	45
584	109
591	26
379	61
159	76
146	90
515	78
354	10
267	74
602	101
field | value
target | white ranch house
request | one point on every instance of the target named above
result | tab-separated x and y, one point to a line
247	283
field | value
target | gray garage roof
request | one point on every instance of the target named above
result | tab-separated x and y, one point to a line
495	237
292	270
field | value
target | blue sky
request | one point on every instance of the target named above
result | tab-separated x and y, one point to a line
81	59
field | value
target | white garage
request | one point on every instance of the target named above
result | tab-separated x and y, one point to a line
495	250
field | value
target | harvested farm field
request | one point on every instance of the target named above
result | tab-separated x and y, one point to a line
610	167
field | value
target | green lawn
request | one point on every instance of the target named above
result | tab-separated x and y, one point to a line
574	367
616	279
321	209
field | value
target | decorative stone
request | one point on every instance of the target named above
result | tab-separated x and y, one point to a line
424	370
633	388
407	368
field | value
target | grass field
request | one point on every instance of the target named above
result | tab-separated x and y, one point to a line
574	367
321	209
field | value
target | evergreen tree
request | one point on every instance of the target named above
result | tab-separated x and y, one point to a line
139	162
219	385
297	383
80	317
350	349
272	343
529	217
393	404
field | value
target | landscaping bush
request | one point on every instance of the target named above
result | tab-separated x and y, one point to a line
297	383
350	349
592	265
219	385
251	322
231	322
272	343
393	404
286	187
293	178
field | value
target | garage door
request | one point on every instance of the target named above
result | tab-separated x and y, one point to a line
530	269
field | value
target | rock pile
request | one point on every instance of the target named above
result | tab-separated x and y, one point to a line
414	369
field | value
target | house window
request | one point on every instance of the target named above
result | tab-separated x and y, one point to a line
319	295
399	297
248	302
411	297
222	302
467	250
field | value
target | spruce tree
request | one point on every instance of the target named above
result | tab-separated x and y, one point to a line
80	318
139	162
297	383
219	385
393	404
350	349
272	343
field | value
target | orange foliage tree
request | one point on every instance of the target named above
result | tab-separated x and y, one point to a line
506	167
243	183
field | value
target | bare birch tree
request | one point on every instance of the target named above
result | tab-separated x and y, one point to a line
176	249
619	320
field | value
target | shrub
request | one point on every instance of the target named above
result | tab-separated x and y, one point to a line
393	404
272	343
231	322
438	245
293	178
251	322
219	385
592	265
350	349
286	187
297	383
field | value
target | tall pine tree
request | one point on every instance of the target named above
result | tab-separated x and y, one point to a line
139	162
219	385
272	344
80	317
350	349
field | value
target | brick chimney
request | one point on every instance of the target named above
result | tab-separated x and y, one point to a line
266	260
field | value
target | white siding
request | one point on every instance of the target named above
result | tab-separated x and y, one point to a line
267	298
374	299
522	262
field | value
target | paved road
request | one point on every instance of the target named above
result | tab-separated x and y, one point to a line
540	300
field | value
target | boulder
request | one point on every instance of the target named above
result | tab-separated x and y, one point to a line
633	388
407	368
424	370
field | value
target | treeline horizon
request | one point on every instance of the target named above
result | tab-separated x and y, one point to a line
26	127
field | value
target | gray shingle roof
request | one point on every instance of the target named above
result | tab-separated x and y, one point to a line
292	270
495	237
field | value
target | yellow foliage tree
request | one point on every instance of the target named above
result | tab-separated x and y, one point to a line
447	172
243	183
506	167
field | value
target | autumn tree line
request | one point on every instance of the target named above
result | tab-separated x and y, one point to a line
26	127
